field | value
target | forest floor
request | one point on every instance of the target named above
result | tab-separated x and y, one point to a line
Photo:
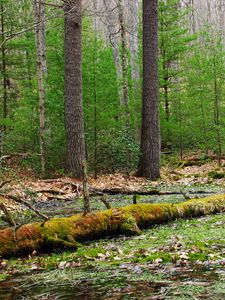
184	259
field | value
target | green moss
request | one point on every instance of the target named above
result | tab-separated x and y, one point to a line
216	175
129	226
59	244
4	277
166	257
199	256
85	252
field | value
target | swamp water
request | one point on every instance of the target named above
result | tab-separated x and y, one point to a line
128	281
122	280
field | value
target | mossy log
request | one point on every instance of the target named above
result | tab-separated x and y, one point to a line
67	233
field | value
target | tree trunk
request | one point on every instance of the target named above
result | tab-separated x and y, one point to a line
124	63
111	31
39	15
94	59
74	122
217	111
204	129
124	52
149	164
85	188
133	21
3	71
66	233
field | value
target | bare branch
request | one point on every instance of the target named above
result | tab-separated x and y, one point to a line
19	200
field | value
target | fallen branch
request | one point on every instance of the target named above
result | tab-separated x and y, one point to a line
50	191
4	183
66	233
104	200
117	191
18	200
8	218
75	186
23	155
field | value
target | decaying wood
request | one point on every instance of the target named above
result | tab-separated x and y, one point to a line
66	233
19	200
118	191
49	191
76	186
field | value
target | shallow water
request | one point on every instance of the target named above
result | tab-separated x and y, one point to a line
127	281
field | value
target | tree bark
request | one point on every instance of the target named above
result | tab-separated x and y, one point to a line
124	57
217	111
111	32
74	122
39	15
4	73
85	188
133	21
66	233
149	164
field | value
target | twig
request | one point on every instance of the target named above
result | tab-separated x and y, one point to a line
18	200
8	217
107	203
4	183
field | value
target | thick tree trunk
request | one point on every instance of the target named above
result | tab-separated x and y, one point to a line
150	133
73	88
66	233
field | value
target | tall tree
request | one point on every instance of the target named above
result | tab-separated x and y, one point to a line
73	88
112	37
39	15
4	74
149	164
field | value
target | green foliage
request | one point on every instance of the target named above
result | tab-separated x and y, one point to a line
216	175
191	77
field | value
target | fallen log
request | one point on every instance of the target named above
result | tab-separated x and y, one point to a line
67	233
118	191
